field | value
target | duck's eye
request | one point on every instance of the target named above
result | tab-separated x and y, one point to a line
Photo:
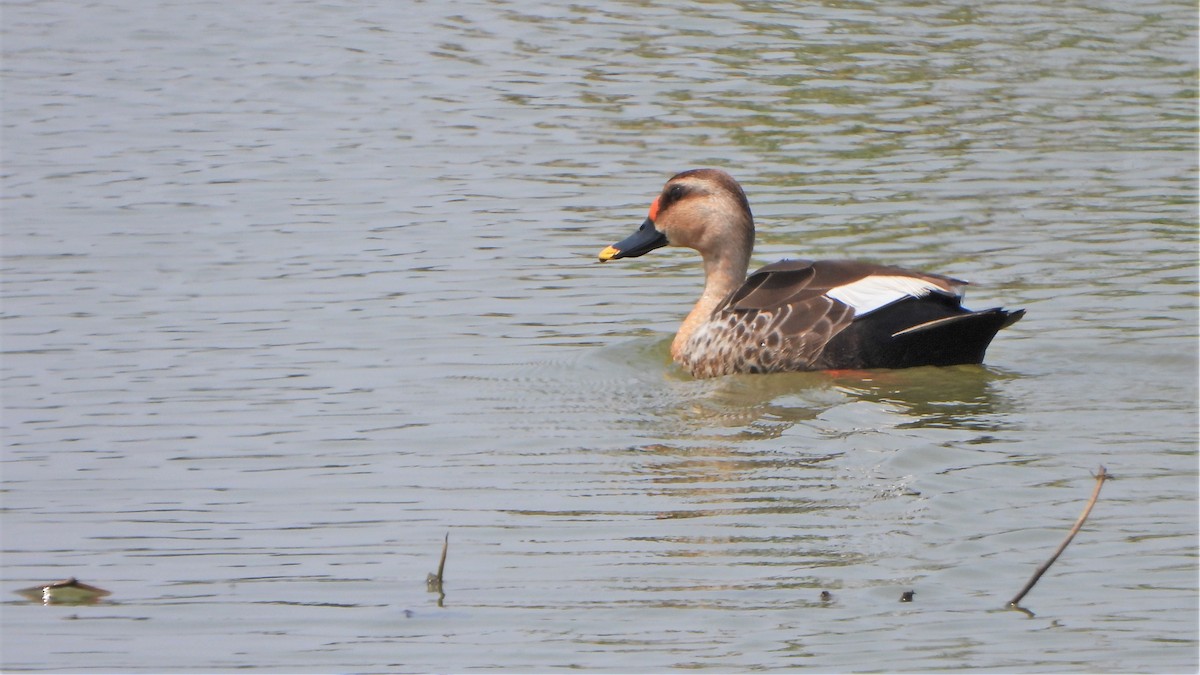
672	195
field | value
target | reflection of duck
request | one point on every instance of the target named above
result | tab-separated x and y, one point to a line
797	314
963	398
732	409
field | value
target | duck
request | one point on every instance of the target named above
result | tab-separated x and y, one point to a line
800	315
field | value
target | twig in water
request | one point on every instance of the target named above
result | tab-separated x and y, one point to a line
1100	477
434	581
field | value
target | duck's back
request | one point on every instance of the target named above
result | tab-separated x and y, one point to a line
799	315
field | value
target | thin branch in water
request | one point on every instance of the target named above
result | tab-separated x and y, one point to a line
1100	478
446	547
434	581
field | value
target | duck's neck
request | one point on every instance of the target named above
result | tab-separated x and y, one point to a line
724	273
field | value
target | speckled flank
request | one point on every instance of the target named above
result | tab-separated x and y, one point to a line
759	341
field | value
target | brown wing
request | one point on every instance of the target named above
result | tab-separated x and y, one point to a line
805	327
798	281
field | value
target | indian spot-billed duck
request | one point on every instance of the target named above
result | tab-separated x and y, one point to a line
799	314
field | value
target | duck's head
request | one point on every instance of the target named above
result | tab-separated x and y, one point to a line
703	209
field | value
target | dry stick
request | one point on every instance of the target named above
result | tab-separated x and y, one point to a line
434	581
446	545
1100	476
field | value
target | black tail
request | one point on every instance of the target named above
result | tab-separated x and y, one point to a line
914	333
955	339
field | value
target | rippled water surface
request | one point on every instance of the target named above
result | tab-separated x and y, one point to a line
292	290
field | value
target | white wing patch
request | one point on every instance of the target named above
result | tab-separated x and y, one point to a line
870	293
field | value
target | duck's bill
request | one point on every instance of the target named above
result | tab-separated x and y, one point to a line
646	239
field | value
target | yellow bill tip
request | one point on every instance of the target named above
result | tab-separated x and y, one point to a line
609	253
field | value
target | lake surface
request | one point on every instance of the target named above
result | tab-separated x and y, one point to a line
292	290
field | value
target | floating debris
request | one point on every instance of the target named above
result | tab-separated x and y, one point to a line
66	592
1100	476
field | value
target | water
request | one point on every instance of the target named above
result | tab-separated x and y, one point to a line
292	290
